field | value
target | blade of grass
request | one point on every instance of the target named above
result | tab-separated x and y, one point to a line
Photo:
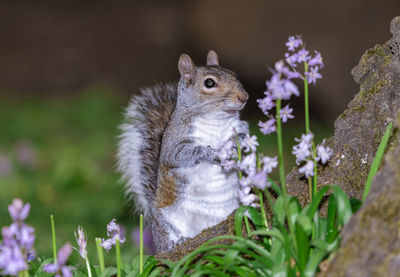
377	160
100	254
53	236
118	254
141	244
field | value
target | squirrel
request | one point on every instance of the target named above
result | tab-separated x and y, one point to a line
169	145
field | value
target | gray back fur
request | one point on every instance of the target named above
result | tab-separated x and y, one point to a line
139	145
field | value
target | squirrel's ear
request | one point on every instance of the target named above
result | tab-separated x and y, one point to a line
186	68
212	58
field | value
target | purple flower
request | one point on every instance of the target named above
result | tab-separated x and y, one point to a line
266	104
249	143
227	150
107	243
269	164
248	163
316	60
18	210
303	56
305	138
293	43
302	150
26	237
18	240
5	165
286	113
292	59
114	233
313	75
59	267
81	241
245	197
26	154
228	165
244	182
290	88
148	243
12	260
267	127
308	169
323	153
276	86
259	180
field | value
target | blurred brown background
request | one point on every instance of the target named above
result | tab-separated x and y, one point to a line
61	47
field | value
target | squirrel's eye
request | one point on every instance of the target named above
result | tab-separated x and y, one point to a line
209	83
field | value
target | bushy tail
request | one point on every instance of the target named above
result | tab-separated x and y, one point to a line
139	145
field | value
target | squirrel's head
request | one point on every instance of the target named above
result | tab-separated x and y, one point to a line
210	87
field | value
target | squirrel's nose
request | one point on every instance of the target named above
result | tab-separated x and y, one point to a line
243	97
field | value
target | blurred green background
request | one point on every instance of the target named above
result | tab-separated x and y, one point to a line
68	69
59	155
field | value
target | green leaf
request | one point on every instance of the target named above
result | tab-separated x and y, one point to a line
239	215
315	258
109	271
256	218
275	187
343	207
279	211
331	227
355	204
294	209
303	231
148	267
311	208
279	270
377	160
323	245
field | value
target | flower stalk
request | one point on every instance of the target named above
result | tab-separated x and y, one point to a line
141	244
100	254
282	176
118	253
53	236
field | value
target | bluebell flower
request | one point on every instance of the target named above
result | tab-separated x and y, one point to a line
266	104
249	143
267	127
316	60
245	197
308	168
59	267
81	241
286	113
323	153
18	211
269	163
303	56
313	75
114	233
293	42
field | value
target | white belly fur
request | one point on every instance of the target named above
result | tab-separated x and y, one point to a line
211	194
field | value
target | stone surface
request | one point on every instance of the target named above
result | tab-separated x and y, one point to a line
371	239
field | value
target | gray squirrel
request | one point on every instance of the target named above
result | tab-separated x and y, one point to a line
168	150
